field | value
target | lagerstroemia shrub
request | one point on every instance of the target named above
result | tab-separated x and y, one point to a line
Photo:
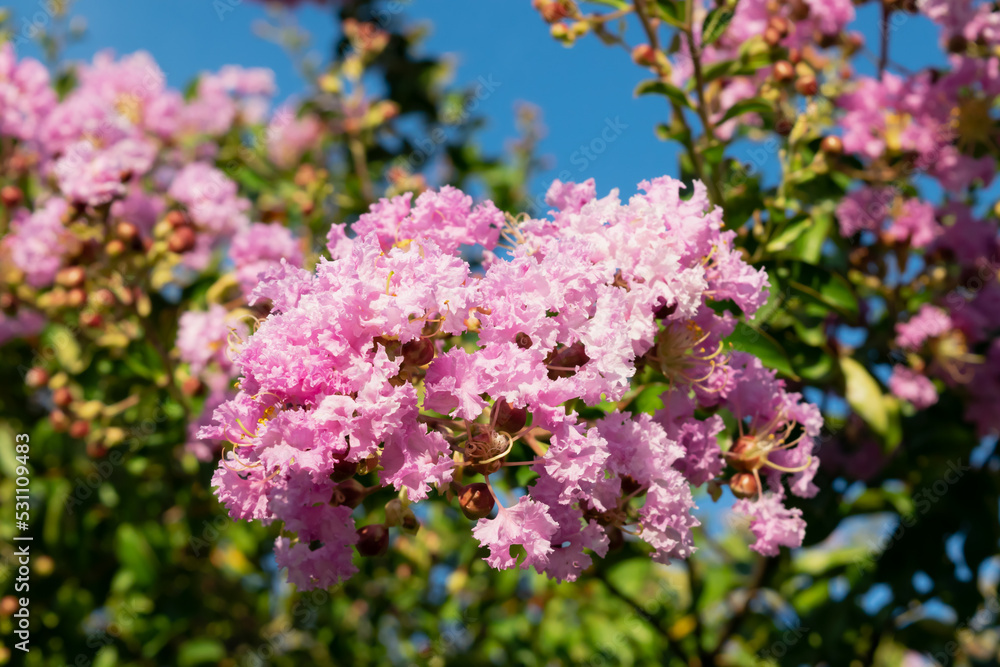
397	357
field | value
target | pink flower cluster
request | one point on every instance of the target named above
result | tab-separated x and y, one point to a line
123	148
397	358
935	125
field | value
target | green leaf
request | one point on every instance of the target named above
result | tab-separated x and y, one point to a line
751	105
864	395
788	235
824	287
893	436
648	400
809	246
748	338
200	652
715	25
714	153
665	133
134	552
657	87
717	70
672	11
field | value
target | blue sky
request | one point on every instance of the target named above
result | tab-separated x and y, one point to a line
585	92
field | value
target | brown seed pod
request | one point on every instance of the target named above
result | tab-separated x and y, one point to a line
832	145
343	471
476	501
807	85
349	493
523	340
508	418
192	386
126	232
79	429
176	219
59	421
744	485
181	240
62	397
780	25
114	248
71	276
571	357
799	10
744	455
783	71
616	539
11	195
91	319
36	377
419	352
76	298
958	44
644	54
373	540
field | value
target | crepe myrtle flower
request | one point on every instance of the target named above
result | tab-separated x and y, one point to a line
396	359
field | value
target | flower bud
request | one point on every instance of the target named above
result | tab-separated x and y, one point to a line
192	386
771	36
616	539
71	276
373	540
8	605
807	85
59	421
114	248
958	44
509	418
409	523
644	54
630	485
36	377
744	455
571	357
523	340
75	298
349	493
103	298
126	232
79	429
176	219
394	512
832	145
11	195
181	240
826	40
743	485
476	501
91	319
344	470
780	25
783	71
62	397
8	303
370	464
799	10
419	352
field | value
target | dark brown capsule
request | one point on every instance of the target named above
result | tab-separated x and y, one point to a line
476	501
